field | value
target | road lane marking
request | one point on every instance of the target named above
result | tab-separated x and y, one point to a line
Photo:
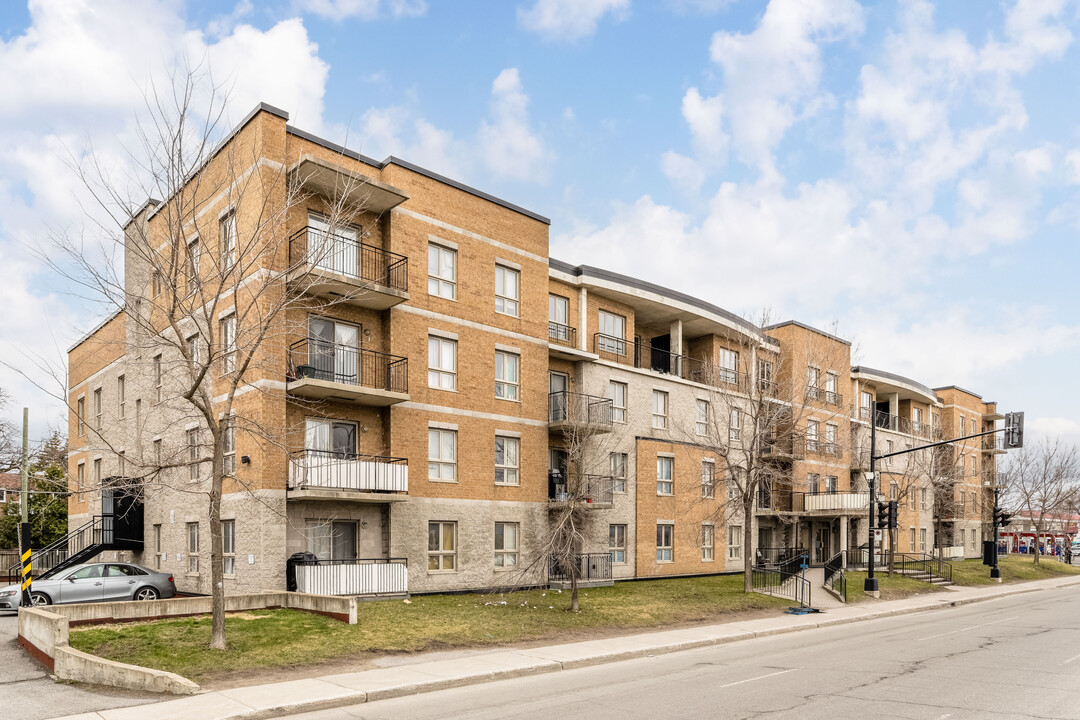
965	629
759	677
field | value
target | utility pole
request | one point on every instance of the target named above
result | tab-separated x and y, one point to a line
24	508
870	586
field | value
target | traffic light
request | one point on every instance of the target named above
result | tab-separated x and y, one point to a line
883	514
1002	518
1014	430
893	507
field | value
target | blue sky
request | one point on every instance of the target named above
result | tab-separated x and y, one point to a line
906	171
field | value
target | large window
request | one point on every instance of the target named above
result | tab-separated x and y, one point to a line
506	460
617	393
442	272
506	375
617	463
922	539
831	447
617	543
612	337
228	241
97	409
831	395
812	428
708	543
734	424
734	542
506	545
193	454
229	459
665	543
157	378
813	381
813	483
506	290
158	554
559	319
701	426
442	455
80	412
728	365
866	401
830	484
708	475
228	344
659	409
193	547
332	539
228	545
192	265
442	546
442	363
665	467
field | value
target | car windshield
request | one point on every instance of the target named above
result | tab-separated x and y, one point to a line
90	571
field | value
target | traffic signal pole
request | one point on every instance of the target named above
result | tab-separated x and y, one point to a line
995	572
870	585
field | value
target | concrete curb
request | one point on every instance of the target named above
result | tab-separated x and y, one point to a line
266	701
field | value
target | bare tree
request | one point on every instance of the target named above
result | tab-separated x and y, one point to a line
10	442
1042	480
210	297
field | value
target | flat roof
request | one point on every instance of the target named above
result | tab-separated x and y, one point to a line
957	387
804	326
97	327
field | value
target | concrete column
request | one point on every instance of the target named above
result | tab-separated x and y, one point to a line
583	319
675	334
843	537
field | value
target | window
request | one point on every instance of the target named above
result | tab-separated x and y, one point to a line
97	409
665	485
157	378
922	539
830	484
559	319
228	545
228	344
894	490
813	381
727	362
812	427
831	395
193	454
192	265
734	542
617	462
765	376
732	485
813	483
617	543
665	534
506	290
331	540
923	498
911	501
659	409
973	428
228	241
962	533
121	401
442	363
612	337
963	502
193	547
708	545
97	473
917	418
442	455
735	424
157	452
506	545
80	413
158	555
506	460
138	415
442	546
81	479
229	459
960	420
887	462
866	401
911	540
442	272
974	472
702	425
193	346
617	394
506	375
708	472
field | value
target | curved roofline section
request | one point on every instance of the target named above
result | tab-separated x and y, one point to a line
668	293
804	326
893	377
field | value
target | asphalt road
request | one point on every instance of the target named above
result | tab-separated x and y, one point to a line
28	693
1017	657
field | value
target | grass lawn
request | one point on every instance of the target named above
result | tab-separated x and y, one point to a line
285	638
1014	568
891	587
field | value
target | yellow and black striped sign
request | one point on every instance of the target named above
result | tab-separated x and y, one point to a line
26	570
24	546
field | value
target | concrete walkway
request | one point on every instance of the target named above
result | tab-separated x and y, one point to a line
273	700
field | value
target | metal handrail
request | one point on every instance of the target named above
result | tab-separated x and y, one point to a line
348	256
348	471
347	365
587	488
560	334
641	355
783	579
589	566
567	406
834	398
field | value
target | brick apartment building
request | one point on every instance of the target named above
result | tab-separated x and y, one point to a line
410	429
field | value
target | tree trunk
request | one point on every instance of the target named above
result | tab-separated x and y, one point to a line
574	607
1038	539
217	590
892	550
748	542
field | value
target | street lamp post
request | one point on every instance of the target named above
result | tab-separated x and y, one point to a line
995	572
870	586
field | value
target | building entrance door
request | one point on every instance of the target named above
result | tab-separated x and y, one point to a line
822	544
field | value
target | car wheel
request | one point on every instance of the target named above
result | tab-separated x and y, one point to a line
146	593
38	599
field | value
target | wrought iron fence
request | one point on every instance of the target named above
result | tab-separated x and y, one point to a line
589	566
348	471
346	255
585	488
784	580
560	334
834	575
566	406
348	365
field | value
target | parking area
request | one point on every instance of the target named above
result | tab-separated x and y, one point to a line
28	693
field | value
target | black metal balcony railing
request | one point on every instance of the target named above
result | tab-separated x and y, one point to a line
347	365
642	355
768	387
834	398
346	255
571	407
784	446
865	413
583	488
560	334
775	556
904	425
813	392
814	446
348	471
993	442
590	567
832	449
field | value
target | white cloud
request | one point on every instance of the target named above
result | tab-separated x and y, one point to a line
568	20
1068	429
705	116
686	172
510	147
363	9
397	131
703	7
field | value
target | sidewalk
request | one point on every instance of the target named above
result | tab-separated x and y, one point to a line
262	701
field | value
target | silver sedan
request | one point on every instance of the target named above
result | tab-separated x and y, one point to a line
96	582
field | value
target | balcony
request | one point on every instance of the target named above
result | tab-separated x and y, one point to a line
322	370
594	492
562	335
592	570
834	398
342	269
371	577
860	458
783	448
641	355
904	425
994	444
573	412
326	475
831	502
